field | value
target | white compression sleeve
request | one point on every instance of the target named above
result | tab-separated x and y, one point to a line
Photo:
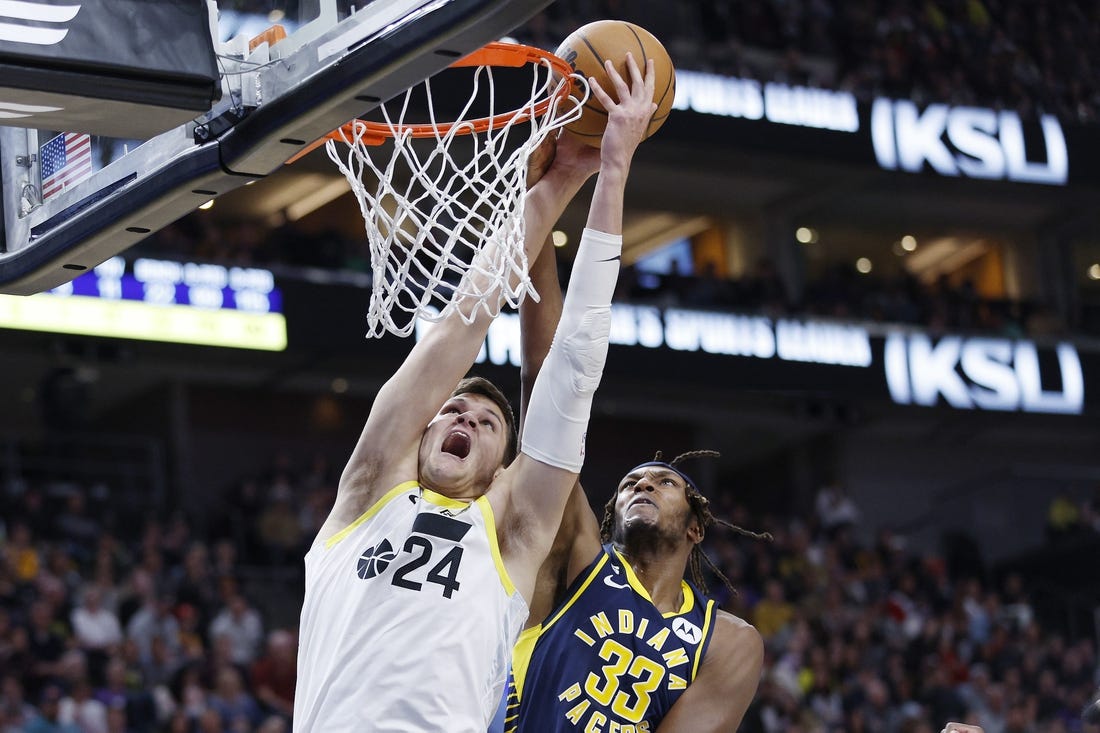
561	400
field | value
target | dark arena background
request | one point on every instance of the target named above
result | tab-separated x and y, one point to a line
862	261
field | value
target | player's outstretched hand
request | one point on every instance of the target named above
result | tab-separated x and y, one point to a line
961	728
576	156
628	117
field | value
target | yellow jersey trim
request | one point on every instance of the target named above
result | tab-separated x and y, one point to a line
482	503
446	502
706	630
573	599
525	644
685	590
377	507
521	660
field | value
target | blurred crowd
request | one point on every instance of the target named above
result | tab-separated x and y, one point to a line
1032	57
946	304
129	628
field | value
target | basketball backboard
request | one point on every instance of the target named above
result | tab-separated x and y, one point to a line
337	61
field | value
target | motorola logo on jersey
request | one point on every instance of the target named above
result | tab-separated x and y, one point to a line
973	142
982	373
36	12
687	631
375	560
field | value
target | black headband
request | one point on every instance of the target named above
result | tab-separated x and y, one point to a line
670	467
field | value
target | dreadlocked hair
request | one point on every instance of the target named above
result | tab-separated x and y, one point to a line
700	507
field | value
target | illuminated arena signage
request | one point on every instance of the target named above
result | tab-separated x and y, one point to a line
955	141
721	334
779	103
961	373
965	141
159	300
980	373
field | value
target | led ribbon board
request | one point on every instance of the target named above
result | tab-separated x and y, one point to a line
159	300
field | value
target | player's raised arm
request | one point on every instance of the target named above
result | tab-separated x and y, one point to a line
561	399
386	452
578	537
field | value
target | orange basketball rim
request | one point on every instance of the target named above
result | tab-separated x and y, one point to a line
496	53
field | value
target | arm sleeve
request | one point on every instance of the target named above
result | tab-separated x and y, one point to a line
561	400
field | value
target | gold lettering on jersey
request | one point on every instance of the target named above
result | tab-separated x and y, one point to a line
577	711
658	640
572	693
595	723
598	723
675	657
615	696
602	624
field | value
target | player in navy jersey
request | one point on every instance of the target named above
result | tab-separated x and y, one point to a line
617	640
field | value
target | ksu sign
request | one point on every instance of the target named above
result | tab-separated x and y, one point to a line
982	373
967	141
842	358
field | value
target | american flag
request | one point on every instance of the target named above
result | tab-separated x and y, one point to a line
66	160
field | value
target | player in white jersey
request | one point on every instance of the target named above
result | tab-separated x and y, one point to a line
420	579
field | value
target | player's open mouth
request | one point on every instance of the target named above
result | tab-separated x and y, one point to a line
641	500
457	444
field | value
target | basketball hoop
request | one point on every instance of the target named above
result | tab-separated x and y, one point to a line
445	223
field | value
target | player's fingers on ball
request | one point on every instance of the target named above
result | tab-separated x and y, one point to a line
635	72
616	78
598	92
650	76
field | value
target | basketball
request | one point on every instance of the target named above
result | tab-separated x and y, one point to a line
586	49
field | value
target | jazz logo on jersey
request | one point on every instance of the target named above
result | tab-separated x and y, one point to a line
616	695
37	13
433	535
375	560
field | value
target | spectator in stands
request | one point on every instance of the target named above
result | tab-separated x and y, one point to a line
154	619
48	640
279	530
774	613
20	553
96	629
123	690
15	711
49	708
835	509
242	624
274	673
237	708
81	709
194	583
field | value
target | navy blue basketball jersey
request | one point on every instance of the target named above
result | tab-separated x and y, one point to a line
606	659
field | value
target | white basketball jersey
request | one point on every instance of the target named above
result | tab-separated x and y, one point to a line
408	621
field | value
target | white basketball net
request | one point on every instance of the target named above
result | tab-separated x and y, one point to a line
446	222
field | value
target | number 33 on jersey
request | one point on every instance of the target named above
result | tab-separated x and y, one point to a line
606	660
